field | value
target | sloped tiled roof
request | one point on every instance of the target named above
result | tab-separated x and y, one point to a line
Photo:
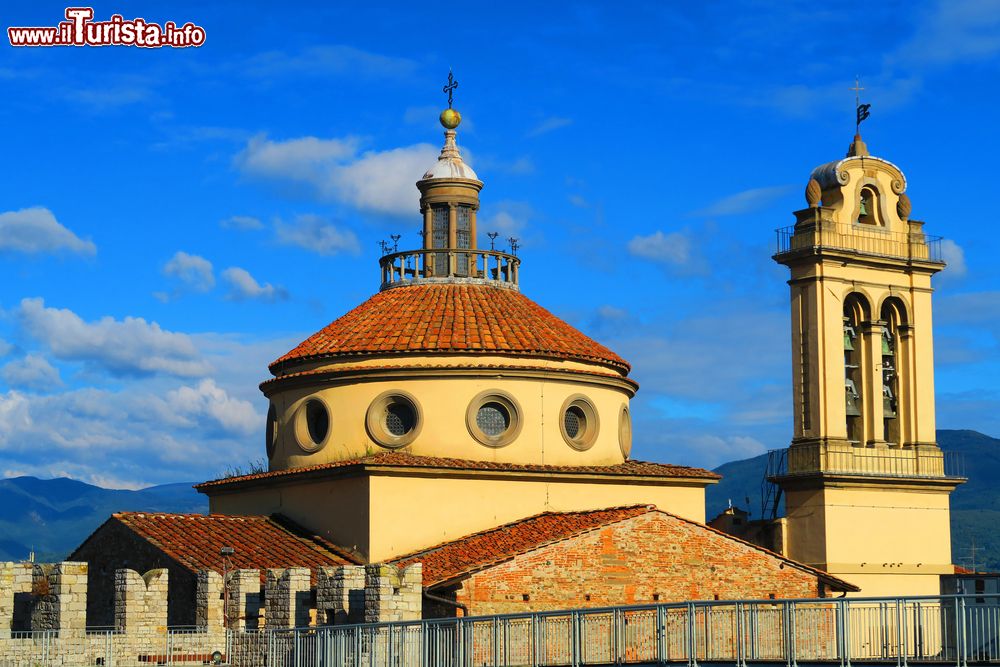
259	542
450	318
473	553
480	550
402	459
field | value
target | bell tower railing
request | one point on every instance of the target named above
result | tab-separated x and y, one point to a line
450	265
860	239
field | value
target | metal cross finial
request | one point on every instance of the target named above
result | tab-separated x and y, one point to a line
513	245
862	110
493	237
384	246
450	88
857	91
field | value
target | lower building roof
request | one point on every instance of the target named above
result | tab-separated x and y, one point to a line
258	542
457	559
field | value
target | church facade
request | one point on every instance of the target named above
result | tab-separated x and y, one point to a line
451	422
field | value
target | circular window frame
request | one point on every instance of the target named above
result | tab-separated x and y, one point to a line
625	431
303	438
513	409
592	422
271	431
375	419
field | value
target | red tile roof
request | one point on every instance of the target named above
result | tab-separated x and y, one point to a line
473	553
451	319
402	459
480	550
259	542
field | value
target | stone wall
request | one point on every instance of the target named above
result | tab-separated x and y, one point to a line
654	557
43	596
340	595
209	603
243	609
287	598
112	547
140	601
392	594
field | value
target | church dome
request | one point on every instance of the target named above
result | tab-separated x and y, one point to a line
450	319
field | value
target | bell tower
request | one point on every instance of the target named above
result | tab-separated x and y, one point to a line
866	486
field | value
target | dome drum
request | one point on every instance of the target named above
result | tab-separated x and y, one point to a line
488	416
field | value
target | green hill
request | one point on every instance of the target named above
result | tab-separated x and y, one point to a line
52	516
975	505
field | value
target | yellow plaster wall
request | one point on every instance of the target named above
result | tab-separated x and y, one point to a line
443	401
383	516
893	538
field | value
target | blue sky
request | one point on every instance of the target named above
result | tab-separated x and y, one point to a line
173	219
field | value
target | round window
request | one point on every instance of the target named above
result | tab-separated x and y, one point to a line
271	431
312	424
493	418
579	424
318	421
400	419
393	419
625	431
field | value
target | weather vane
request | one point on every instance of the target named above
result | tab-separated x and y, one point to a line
384	246
450	88
514	245
862	109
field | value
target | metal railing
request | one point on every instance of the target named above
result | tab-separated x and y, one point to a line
864	461
450	265
860	239
957	630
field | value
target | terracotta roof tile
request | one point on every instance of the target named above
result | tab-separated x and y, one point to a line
480	550
259	542
451	319
402	459
473	553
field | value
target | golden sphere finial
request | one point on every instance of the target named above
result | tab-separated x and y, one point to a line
450	118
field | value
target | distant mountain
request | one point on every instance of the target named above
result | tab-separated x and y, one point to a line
975	505
53	516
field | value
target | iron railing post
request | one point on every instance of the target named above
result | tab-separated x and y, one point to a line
741	659
661	634
575	638
691	646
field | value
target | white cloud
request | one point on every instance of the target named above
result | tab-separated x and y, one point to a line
317	235
243	286
209	400
5	348
548	125
953	31
336	59
954	255
32	372
36	230
334	170
193	271
242	222
746	201
674	250
131	346
509	218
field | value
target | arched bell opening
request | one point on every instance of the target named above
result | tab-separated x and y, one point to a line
856	313
893	370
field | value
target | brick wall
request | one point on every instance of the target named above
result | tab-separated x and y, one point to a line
652	557
112	547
